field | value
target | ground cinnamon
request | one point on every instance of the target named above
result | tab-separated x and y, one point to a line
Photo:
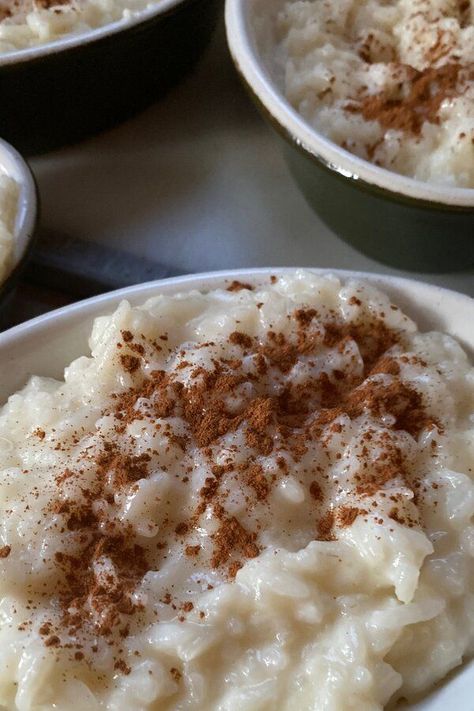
236	285
418	99
279	423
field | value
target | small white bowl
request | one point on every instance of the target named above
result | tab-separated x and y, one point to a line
15	167
45	345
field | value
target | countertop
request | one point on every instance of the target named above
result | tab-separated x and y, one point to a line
197	183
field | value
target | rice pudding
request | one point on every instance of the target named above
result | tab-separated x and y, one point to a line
254	498
391	81
9	194
27	23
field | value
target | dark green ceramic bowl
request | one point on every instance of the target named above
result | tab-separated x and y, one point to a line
397	220
61	92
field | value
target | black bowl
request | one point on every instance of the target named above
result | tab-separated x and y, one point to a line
61	92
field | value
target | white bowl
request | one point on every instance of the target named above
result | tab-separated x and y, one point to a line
45	345
15	167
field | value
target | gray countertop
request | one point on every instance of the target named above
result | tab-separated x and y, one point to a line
197	183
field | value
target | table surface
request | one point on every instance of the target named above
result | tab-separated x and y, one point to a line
197	183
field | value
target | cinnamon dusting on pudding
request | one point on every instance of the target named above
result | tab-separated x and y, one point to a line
346	515
417	100
130	363
232	538
239	286
266	432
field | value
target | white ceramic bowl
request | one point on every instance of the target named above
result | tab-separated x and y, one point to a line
45	345
14	166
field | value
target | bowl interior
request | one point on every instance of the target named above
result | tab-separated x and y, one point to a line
252	39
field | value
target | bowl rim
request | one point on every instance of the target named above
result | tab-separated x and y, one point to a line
138	293
16	167
71	41
359	171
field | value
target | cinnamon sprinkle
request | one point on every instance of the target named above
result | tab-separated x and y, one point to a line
239	286
122	666
316	491
240	339
419	99
192	550
232	537
281	422
175	673
325	527
346	515
130	363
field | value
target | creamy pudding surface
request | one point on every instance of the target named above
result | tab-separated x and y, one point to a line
252	498
392	81
27	23
9	194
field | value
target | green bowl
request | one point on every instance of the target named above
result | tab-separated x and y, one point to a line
61	92
397	220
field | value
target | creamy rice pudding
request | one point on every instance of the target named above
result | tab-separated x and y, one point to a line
9	193
26	23
389	80
252	498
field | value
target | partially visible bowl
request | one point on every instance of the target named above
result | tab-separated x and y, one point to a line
398	220
47	344
63	91
15	167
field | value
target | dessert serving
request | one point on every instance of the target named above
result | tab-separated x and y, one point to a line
26	23
392	82
256	497
9	194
